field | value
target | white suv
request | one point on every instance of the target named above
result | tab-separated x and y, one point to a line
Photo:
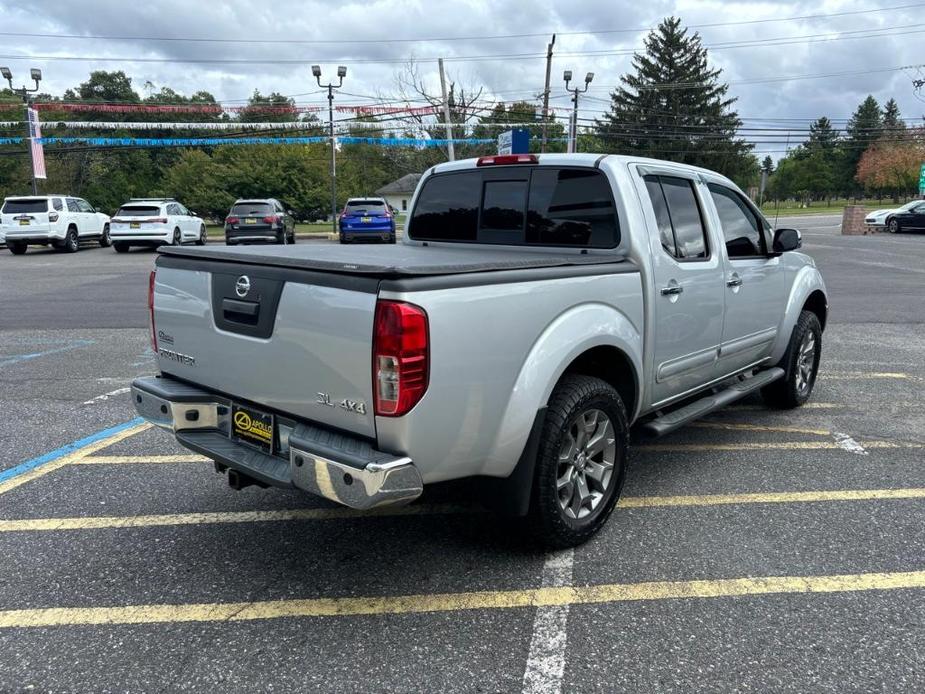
155	222
57	220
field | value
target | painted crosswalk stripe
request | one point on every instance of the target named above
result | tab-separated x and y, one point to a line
455	602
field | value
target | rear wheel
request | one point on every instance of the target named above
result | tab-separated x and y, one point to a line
281	237
203	236
105	241
177	239
344	239
581	464
893	226
16	247
120	247
800	364
71	241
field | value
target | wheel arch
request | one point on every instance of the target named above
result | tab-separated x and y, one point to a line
612	365
817	303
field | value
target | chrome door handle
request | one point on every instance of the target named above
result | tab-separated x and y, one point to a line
668	291
737	282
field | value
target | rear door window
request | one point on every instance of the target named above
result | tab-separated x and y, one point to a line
25	206
542	206
57	204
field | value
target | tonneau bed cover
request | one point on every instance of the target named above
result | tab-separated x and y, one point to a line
395	261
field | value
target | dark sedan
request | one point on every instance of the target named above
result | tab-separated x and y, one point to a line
259	221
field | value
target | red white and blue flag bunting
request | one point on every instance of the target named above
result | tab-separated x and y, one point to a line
35	143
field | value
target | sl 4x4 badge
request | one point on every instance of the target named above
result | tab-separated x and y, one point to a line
346	404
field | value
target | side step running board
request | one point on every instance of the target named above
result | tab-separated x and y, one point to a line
675	419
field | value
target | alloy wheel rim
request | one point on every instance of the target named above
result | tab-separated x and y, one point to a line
586	469
805	362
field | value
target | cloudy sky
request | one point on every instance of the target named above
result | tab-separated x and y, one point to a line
297	33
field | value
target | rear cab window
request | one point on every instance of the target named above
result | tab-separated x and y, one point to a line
679	217
25	206
518	205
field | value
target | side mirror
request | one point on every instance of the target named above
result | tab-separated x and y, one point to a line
787	240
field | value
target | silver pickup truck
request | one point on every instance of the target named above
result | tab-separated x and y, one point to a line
539	306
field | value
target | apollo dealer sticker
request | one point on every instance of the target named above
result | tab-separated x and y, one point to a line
252	427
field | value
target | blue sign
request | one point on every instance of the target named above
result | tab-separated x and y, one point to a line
515	141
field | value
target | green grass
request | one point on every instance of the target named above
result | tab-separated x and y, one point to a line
322	228
790	209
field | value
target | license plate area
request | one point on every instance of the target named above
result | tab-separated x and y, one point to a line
134	225
250	221
23	222
366	220
252	428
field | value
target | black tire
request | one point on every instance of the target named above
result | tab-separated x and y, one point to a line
105	241
177	239
71	241
893	226
281	238
203	236
120	246
344	239
17	247
292	236
791	391
574	398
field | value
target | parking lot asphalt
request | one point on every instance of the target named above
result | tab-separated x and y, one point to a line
754	551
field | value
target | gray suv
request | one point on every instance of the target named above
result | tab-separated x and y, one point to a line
263	220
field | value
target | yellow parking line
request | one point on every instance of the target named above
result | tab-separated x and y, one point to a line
218	517
770	446
138	459
453	602
340	512
71	458
759	427
772	497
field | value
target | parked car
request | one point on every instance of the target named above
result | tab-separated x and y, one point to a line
539	306
155	222
259	221
366	219
60	221
910	216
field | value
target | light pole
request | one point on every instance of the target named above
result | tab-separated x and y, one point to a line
36	75
573	123
341	73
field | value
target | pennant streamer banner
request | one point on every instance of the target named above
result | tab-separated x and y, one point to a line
387	110
300	125
222	108
216	141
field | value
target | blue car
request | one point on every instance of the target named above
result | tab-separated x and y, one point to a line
367	219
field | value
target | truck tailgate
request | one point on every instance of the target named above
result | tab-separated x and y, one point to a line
294	341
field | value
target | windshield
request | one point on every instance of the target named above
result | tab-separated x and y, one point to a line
909	205
25	206
138	211
366	206
251	209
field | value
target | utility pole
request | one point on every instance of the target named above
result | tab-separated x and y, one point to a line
446	113
573	121
341	73
546	92
36	75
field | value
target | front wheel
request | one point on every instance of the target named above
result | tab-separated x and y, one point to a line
203	236
800	364
16	247
893	226
581	464
105	241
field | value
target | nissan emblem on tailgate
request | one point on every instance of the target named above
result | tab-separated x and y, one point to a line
242	286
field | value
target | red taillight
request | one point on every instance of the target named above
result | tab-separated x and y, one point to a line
157	220
401	357
500	159
270	219
151	309
232	220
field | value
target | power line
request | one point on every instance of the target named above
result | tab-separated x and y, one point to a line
276	40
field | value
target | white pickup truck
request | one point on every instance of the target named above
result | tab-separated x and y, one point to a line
539	306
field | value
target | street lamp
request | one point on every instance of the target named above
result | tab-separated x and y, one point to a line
24	93
341	73
575	91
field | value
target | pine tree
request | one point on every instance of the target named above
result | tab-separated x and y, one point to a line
892	118
673	106
822	136
767	165
864	127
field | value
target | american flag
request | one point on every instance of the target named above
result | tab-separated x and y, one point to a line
38	153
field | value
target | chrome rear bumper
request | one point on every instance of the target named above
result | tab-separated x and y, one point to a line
330	464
